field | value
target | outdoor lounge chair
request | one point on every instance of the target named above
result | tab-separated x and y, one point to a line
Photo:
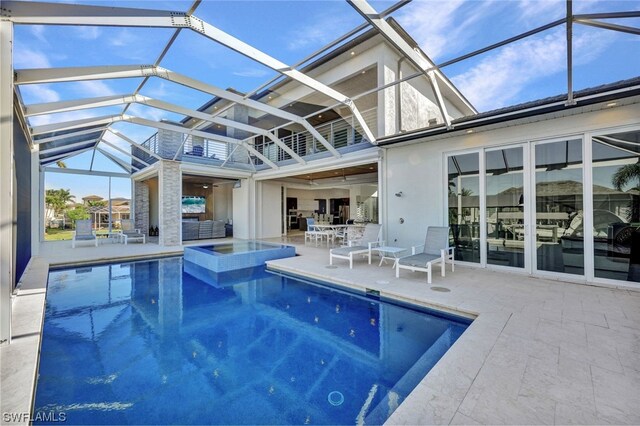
130	233
434	250
84	232
372	237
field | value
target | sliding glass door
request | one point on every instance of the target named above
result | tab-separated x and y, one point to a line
559	210
463	182
506	239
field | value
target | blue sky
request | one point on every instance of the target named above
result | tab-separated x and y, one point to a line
289	30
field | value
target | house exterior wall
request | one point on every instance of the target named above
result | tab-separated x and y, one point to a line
270	217
418	169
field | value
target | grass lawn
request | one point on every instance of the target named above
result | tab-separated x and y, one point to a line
54	234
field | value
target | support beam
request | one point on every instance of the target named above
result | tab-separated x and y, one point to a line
609	26
211	136
75	124
61	157
69	135
86	172
62	14
80	104
412	54
124	166
7	184
570	100
122	151
57	75
73	105
134	143
68	146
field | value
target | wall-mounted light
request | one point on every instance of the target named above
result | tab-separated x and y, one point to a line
399	194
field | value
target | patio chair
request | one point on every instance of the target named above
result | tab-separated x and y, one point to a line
130	233
311	231
84	232
371	237
434	250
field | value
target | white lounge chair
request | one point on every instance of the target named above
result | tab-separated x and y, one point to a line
84	232
434	250
130	233
371	237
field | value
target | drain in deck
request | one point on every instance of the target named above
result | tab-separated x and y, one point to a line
440	289
331	267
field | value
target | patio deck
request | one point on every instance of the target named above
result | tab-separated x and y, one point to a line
539	351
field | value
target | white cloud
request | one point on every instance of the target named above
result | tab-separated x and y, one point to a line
87	33
29	58
323	30
38	31
38	93
445	26
154	114
95	88
251	72
498	79
60	118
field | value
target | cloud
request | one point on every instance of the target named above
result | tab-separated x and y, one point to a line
94	88
62	117
323	30
252	72
499	78
87	33
38	31
29	58
38	93
441	27
149	113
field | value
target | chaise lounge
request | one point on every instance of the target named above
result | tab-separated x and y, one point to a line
434	250
84	232
372	237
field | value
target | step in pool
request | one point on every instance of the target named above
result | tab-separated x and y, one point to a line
237	255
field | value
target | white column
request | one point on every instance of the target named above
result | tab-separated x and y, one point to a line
7	261
37	202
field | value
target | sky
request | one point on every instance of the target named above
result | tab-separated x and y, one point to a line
530	69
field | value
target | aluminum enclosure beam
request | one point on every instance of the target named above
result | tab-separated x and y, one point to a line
57	75
62	14
418	60
69	135
609	26
122	151
80	104
134	143
75	124
68	146
61	157
86	172
122	164
186	131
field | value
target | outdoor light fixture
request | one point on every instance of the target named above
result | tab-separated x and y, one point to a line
399	194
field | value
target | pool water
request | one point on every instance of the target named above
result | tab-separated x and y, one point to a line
241	247
145	343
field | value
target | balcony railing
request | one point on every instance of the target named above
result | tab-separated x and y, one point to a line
341	134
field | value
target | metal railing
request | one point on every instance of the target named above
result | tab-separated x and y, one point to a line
339	133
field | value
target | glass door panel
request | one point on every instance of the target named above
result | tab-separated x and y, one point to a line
463	177
616	206
559	235
505	203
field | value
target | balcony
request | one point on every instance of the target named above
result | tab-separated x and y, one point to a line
344	134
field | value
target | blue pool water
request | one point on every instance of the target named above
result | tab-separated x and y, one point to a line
146	342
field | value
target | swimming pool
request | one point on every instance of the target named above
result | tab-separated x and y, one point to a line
145	342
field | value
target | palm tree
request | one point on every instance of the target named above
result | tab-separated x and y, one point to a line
621	178
626	174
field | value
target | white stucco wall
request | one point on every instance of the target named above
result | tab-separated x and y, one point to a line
270	217
242	224
418	169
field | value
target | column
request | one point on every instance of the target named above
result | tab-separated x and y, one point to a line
141	206
170	203
7	259
239	113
